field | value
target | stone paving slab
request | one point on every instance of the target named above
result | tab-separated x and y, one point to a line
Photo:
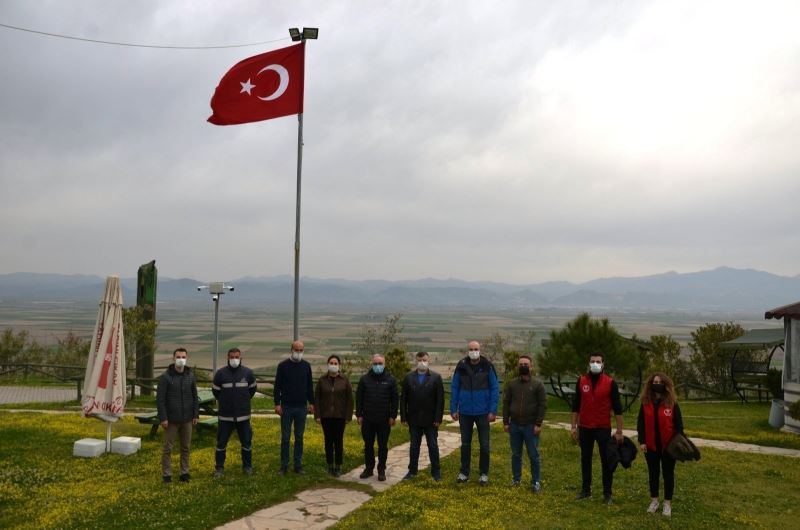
321	508
36	394
722	445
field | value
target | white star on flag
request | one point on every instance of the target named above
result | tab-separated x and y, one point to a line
246	87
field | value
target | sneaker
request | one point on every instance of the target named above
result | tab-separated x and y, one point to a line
583	495
462	478
282	471
218	473
331	471
667	509
248	471
514	483
381	475
409	476
537	487
484	480
607	500
653	508
167	479
184	477
365	474
299	471
337	471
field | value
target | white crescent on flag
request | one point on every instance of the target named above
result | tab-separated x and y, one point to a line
284	75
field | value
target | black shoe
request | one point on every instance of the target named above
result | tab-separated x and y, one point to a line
409	476
331	471
381	475
248	471
337	471
167	479
365	474
219	473
607	500
583	495
282	471
299	471
437	477
184	477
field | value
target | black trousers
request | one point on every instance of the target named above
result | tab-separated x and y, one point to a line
369	431
333	429
587	438
666	463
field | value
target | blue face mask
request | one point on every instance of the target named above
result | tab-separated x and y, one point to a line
377	369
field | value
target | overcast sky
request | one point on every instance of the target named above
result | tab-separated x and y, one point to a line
514	141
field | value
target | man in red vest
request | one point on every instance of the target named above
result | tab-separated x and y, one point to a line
596	396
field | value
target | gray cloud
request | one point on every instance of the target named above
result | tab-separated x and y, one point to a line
521	142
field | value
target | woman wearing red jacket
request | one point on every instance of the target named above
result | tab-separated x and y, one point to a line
659	419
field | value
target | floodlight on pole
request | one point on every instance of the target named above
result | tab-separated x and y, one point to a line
216	289
297	35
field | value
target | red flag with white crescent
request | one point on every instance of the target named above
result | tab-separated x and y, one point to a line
262	87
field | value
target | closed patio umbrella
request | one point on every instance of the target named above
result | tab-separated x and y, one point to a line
104	385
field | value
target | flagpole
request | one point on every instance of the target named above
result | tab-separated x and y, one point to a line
296	334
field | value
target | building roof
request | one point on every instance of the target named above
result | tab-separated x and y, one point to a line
761	339
791	311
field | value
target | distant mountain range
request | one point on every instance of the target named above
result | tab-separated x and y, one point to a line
721	289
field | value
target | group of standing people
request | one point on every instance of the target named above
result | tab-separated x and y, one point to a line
474	402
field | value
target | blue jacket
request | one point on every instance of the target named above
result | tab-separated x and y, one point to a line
234	388
474	390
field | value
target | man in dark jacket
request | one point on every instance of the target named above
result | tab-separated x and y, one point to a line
294	398
376	411
234	386
422	407
524	405
178	410
474	396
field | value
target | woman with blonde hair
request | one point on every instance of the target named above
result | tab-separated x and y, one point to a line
659	419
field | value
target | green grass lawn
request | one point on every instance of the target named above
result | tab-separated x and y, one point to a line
43	486
722	490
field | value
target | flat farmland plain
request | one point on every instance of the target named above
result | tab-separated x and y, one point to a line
264	335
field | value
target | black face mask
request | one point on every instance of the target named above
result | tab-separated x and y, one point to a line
524	370
659	388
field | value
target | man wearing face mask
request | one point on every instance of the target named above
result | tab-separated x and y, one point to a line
422	408
596	396
376	411
294	398
524	405
234	386
474	396
178	410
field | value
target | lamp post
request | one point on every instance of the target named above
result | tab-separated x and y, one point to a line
217	289
298	36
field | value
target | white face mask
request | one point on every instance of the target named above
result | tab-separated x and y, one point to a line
333	368
297	355
422	366
474	355
234	362
595	368
180	362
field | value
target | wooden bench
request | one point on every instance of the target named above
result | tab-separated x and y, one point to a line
149	418
750	377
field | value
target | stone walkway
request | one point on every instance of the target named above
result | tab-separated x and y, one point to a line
36	394
321	508
715	444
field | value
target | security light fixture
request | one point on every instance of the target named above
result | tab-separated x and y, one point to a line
307	33
295	34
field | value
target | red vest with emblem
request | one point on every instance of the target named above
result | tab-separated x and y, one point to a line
665	426
595	410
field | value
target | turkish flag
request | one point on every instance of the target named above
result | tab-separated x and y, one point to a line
262	87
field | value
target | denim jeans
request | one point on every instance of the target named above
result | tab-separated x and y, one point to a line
292	414
245	433
432	439
517	435
466	423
